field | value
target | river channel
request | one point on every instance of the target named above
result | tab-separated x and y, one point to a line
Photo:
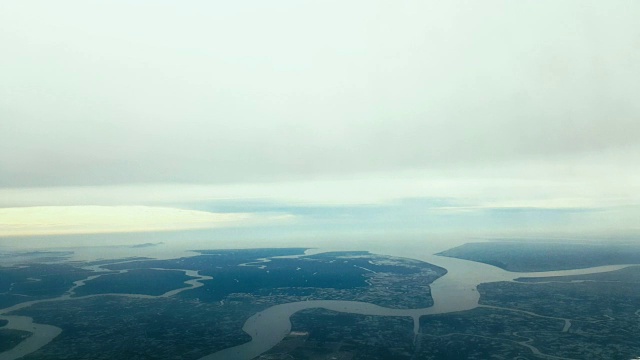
455	291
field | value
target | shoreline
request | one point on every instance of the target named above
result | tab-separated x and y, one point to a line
455	291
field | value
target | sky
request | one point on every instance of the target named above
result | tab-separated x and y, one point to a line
306	119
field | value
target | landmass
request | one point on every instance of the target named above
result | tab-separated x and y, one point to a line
146	309
193	307
521	256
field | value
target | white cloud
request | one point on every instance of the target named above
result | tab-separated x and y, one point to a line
56	220
244	91
487	104
601	180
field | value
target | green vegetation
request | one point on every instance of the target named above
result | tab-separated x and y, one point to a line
201	321
11	338
324	334
140	281
37	281
121	328
603	311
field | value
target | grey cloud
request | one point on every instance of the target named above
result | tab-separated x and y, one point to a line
120	92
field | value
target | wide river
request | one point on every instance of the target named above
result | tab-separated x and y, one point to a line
455	291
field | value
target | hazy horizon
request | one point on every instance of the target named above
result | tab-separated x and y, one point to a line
303	120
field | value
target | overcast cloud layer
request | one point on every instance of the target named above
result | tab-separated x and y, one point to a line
116	92
490	104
